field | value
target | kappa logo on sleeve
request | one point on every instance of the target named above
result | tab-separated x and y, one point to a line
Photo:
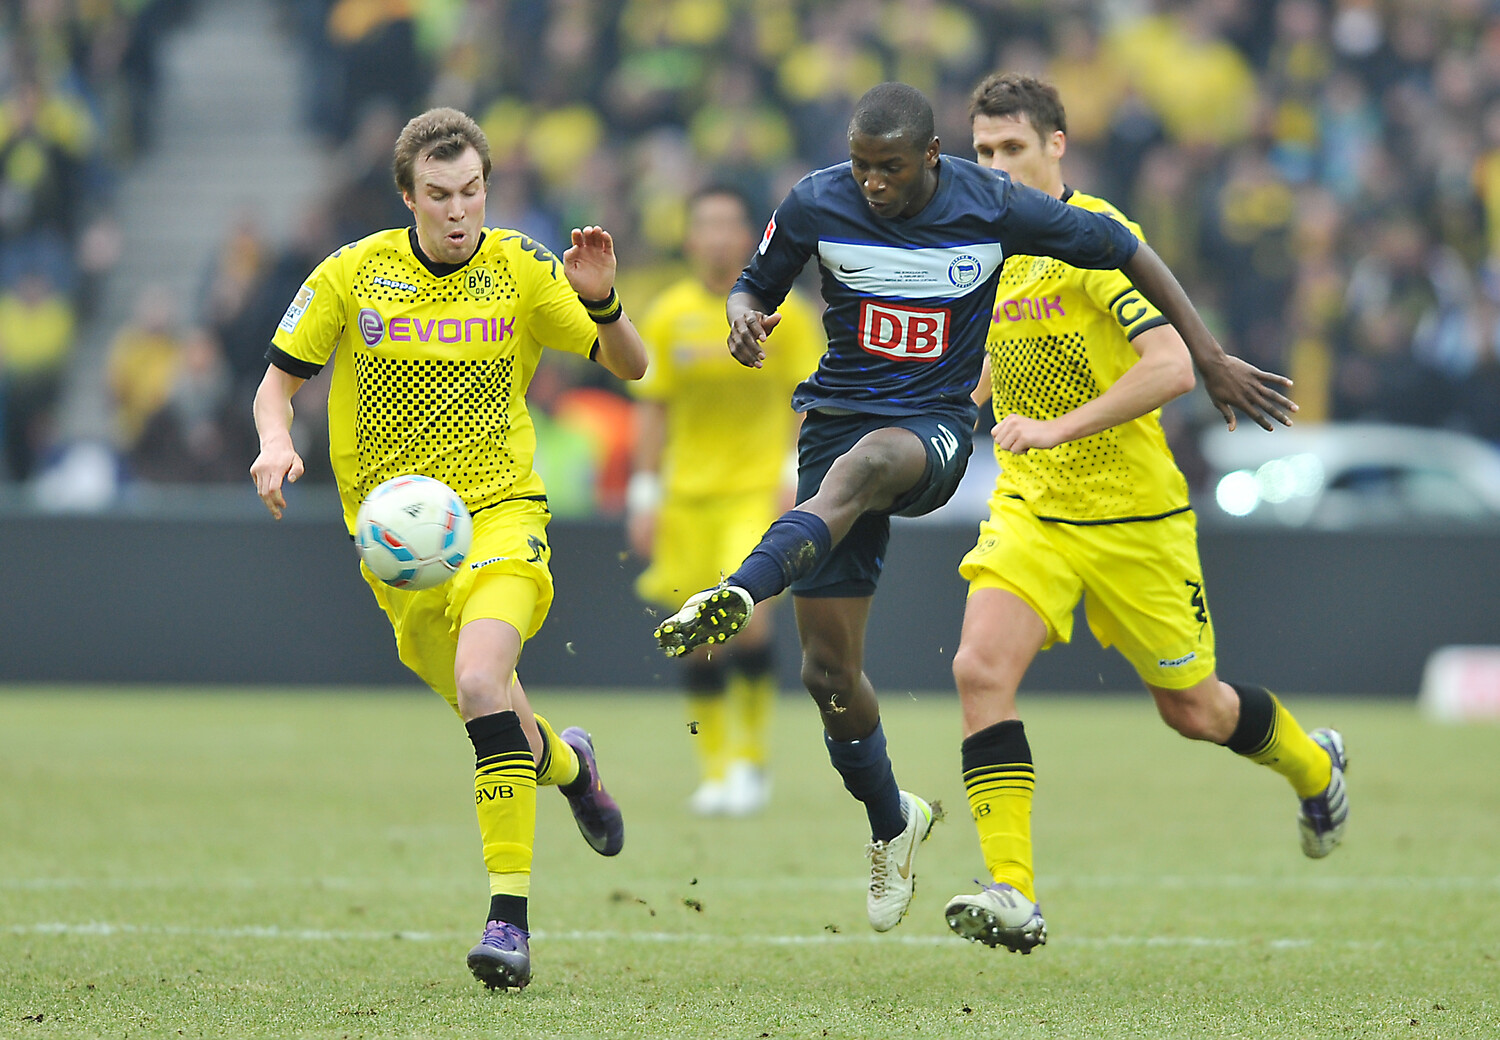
296	309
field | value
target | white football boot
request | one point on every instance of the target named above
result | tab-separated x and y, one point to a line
1323	817
893	879
998	915
710	616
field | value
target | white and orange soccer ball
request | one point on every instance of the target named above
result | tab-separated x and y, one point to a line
413	532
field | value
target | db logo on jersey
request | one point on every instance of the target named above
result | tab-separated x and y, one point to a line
903	333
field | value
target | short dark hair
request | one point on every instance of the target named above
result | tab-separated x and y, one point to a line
438	133
1015	93
894	110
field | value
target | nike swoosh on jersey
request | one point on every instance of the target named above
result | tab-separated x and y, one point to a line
930	272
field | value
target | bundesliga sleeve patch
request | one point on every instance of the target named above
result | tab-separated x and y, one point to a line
765	239
296	309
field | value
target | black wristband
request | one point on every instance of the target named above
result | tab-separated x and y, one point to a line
604	311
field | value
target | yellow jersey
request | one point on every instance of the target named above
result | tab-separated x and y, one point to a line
729	428
1060	336
432	361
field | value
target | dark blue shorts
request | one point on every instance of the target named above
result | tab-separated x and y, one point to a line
853	567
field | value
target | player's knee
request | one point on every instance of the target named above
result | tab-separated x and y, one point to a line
971	671
986	673
1187	716
482	686
865	477
828	679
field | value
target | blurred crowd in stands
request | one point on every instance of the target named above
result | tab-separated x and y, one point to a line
1324	175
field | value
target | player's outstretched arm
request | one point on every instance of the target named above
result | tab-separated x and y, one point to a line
749	325
1164	371
589	265
1230	381
278	460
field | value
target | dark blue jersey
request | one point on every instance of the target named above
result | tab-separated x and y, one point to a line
909	300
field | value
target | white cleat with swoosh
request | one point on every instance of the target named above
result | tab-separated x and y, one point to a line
892	876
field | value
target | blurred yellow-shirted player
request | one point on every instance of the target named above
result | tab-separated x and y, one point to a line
434	332
713	442
1089	504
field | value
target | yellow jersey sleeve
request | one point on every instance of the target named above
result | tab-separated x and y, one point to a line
1110	290
558	320
313	324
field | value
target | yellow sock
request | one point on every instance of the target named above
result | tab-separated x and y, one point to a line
706	714
559	764
505	800
752	702
1268	734
1000	779
1000	801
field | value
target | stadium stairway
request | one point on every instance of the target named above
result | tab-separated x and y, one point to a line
229	138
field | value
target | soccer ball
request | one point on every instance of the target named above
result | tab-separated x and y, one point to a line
413	532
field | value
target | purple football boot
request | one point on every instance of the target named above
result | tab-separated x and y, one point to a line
599	818
502	960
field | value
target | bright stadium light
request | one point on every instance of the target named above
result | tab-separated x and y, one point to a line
1307	474
1295	476
1275	480
1238	493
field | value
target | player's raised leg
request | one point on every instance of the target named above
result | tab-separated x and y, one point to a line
1001	636
871	475
1250	721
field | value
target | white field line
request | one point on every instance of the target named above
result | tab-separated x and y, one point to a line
100	929
1166	882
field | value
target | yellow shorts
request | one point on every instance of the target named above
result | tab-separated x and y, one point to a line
700	540
504	577
1141	583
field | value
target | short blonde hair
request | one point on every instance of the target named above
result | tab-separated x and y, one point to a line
438	133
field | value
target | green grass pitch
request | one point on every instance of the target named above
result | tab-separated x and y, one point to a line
242	863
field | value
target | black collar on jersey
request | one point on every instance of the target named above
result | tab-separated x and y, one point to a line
1066	195
439	270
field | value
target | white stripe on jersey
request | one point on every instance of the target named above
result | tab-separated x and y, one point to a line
912	274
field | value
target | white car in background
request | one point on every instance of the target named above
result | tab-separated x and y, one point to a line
1333	476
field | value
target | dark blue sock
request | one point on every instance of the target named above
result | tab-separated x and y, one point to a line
866	769
790	548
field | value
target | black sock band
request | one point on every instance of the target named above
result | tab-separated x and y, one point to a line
1257	718
510	909
1004	743
497	734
